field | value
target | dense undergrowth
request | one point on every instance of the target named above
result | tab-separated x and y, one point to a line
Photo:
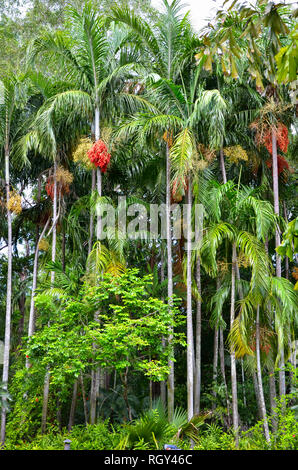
152	430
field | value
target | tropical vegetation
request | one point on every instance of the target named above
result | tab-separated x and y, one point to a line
148	230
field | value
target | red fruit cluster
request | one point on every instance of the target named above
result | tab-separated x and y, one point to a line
99	155
282	138
282	164
282	141
263	347
61	188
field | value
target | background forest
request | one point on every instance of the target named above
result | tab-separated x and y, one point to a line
123	343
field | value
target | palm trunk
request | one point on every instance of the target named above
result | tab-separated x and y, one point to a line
215	364
124	379
286	258
190	352
84	399
46	390
272	386
257	394
93	397
6	357
233	360
54	241
259	375
73	406
282	378
222	166
171	389
54	228
59	412
243	381
272	392
223	373
31	324
91	224
163	383
96	375
198	378
240	291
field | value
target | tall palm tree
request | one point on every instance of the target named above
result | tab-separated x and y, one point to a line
88	56
188	113
242	236
267	19
168	46
259	30
275	299
50	134
13	97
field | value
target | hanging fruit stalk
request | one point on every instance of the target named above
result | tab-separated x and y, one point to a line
63	178
99	155
14	203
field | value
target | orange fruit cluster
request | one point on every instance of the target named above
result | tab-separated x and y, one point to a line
99	155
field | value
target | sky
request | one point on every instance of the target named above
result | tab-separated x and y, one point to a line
200	10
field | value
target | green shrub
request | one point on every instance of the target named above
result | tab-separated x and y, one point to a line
91	437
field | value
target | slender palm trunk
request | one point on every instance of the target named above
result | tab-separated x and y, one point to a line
31	324
54	228
96	375
171	386
100	374
282	378
257	394
222	166
93	397
73	405
198	366
272	385
243	381
223	372
233	360
8	300
286	258
190	352
91	223
272	393
259	375
221	347
54	241
241	295
162	278
84	399
215	364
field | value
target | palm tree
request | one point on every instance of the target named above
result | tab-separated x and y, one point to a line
13	97
88	56
50	134
269	17
238	204
181	111
168	46
275	299
259	29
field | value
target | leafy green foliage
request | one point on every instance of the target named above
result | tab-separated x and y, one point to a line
127	333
